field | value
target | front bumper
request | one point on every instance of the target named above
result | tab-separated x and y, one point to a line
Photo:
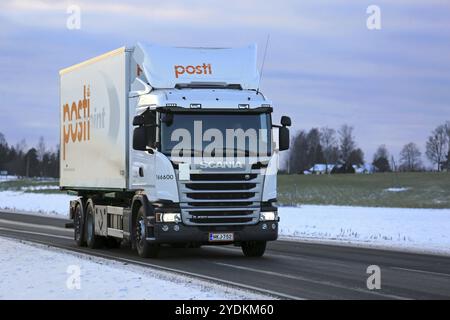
200	234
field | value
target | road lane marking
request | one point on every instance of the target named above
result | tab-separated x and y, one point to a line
168	269
422	271
288	257
300	278
36	233
33	225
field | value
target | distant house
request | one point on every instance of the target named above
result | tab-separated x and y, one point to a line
366	168
343	168
319	168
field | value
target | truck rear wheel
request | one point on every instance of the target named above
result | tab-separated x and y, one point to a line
78	225
93	241
254	248
144	248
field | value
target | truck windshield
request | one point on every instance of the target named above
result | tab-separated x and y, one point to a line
214	134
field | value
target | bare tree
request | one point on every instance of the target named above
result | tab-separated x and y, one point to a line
2	140
41	149
298	153
347	142
436	146
381	152
381	159
329	145
447	132
315	152
22	146
356	157
410	157
446	163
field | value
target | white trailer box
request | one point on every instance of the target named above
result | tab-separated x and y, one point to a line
94	122
95	96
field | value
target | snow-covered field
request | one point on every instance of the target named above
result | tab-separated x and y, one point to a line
48	204
422	230
31	271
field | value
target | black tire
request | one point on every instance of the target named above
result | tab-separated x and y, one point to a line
93	241
144	248
254	248
78	226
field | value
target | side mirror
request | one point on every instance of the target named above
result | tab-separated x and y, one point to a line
285	121
283	138
138	120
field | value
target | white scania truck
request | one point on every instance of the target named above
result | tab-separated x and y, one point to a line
141	131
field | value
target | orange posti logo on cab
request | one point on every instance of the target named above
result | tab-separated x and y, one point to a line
76	120
204	69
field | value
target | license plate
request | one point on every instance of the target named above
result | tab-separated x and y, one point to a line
221	236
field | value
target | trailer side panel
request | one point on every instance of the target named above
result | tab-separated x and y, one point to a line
93	118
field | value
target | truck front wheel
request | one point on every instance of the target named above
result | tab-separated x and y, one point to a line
144	248
254	248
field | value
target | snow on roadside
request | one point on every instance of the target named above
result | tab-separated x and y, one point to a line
41	187
400	189
39	272
420	230
53	204
5	178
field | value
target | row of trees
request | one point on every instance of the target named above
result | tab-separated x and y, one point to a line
28	162
438	146
328	146
437	150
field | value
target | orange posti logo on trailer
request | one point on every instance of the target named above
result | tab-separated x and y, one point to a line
203	69
76	120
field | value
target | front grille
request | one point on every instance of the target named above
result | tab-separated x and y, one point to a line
223	176
213	214
220	186
223	220
216	199
220	204
216	195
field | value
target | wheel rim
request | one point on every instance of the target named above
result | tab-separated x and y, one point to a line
140	232
78	224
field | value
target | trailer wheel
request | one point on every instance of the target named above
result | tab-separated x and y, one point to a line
93	241
254	248
78	225
144	248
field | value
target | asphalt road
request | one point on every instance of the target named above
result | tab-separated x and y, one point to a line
289	270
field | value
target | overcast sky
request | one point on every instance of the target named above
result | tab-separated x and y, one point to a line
323	66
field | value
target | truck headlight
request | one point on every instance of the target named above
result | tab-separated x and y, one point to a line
168	217
268	216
